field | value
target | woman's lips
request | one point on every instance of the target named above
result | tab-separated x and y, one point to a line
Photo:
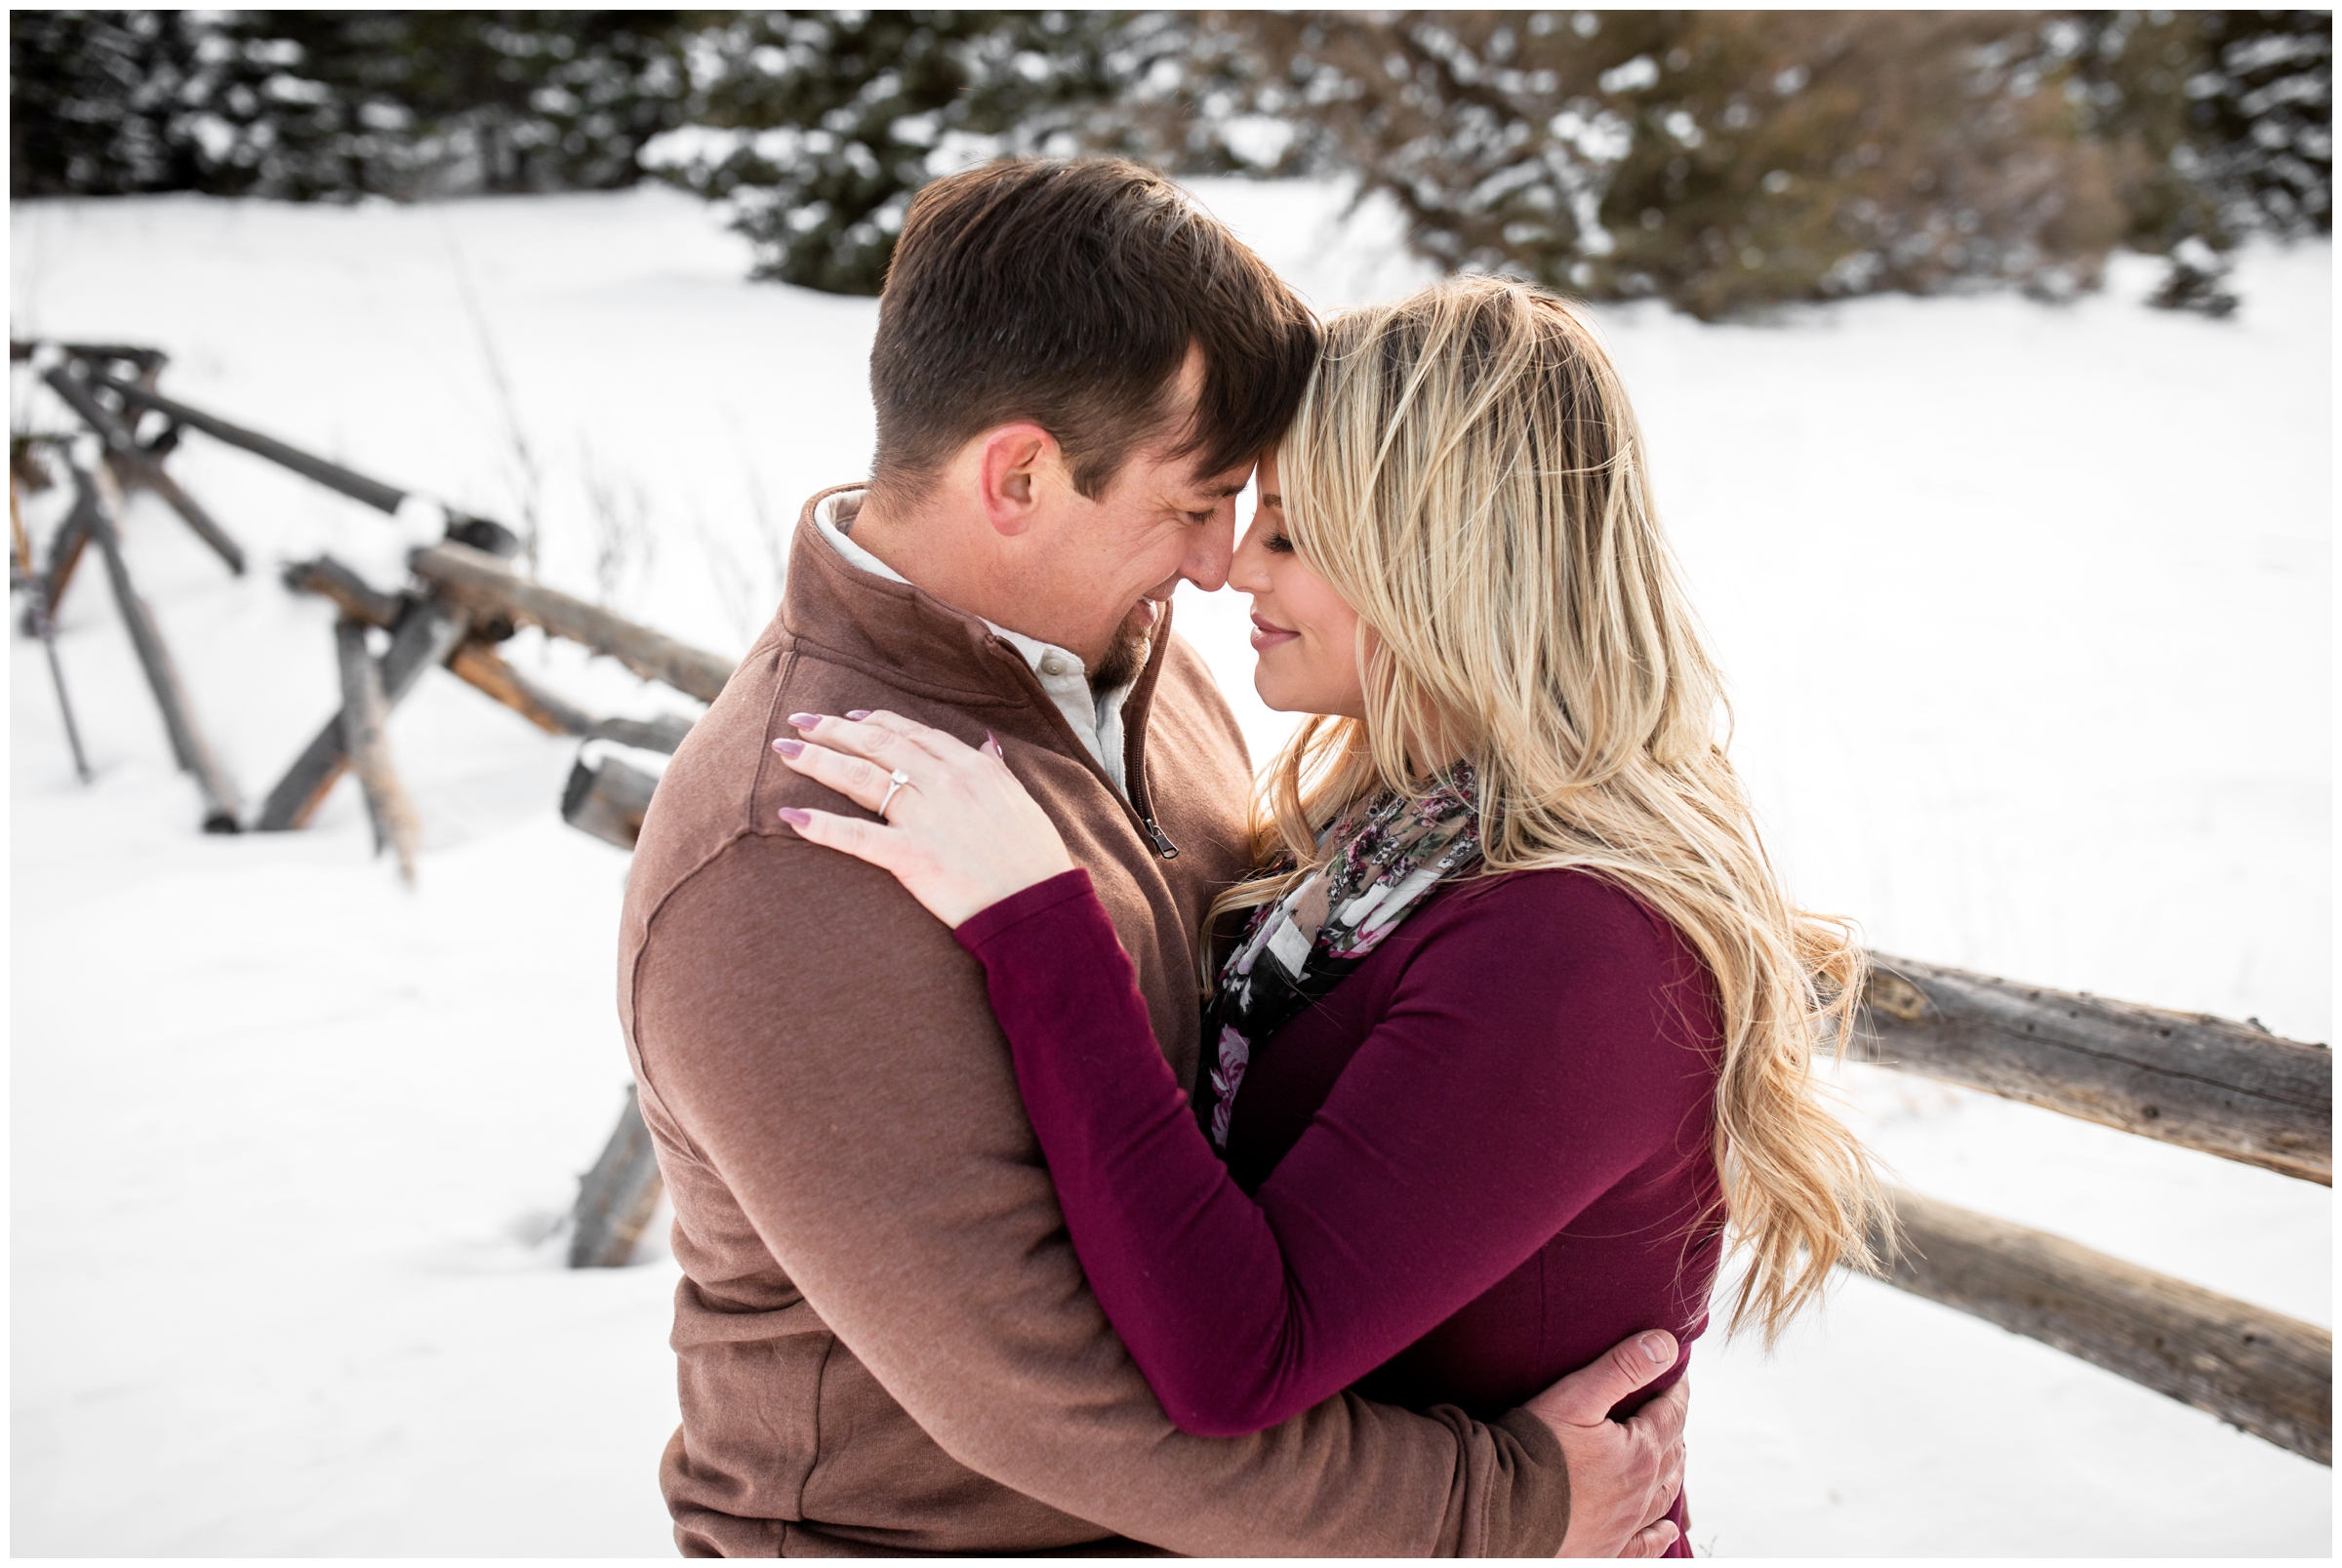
1267	635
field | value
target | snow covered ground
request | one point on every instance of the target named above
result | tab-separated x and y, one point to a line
2029	611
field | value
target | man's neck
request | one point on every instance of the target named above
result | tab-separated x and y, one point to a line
943	554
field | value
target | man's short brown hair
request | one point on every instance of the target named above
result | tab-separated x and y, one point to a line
1068	293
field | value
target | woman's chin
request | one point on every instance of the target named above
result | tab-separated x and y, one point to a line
1277	695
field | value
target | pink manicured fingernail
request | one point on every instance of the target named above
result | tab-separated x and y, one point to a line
787	748
858	714
1658	1346
795	817
804	721
991	742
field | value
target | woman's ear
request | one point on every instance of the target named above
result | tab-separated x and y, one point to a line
1012	459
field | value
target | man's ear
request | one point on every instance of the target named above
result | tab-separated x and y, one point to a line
1014	459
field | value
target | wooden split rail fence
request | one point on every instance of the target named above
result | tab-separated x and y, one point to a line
2206	1084
2186	1078
445	618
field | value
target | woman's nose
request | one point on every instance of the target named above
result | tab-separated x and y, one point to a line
1247	569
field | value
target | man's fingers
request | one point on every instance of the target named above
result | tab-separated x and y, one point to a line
1585	1396
862	781
1652	1541
1664	1493
1662	1420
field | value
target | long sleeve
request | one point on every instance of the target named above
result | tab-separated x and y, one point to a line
1513	1077
877	1145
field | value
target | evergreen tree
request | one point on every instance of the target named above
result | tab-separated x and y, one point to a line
1724	161
1721	160
101	103
311	104
818	127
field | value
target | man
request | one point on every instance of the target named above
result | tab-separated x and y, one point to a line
885	1341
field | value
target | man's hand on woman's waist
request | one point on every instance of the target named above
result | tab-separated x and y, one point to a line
1623	1476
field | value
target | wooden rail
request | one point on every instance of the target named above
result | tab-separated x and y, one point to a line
137	463
356	486
485	584
477	662
2186	1078
608	800
2264	1372
358	599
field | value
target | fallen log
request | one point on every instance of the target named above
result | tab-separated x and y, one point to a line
364	717
2186	1078
98	506
358	598
486	585
428	634
483	667
616	1198
608	800
2261	1371
134	462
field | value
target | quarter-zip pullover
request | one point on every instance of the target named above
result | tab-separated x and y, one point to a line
884	1341
1095	717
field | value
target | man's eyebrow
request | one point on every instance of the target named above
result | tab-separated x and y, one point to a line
1226	491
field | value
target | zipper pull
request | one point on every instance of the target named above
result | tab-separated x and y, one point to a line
1162	840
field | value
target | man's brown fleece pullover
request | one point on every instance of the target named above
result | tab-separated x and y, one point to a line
885	1342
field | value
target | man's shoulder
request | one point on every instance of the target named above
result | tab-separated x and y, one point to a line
718	804
702	802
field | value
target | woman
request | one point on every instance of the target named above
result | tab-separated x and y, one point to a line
1519	1015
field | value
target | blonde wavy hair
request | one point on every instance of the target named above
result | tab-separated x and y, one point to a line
1465	471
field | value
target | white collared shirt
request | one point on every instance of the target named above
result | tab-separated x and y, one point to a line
1096	718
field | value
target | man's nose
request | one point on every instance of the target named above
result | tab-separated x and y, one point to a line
1206	565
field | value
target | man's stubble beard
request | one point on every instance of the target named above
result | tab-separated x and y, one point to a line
1124	657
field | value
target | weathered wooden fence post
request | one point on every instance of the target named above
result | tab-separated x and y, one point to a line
616	1198
95	505
364	712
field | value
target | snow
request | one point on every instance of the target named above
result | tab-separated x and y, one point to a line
2028	612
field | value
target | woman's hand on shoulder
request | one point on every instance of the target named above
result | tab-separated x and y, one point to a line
958	832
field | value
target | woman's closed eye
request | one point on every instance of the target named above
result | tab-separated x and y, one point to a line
1277	545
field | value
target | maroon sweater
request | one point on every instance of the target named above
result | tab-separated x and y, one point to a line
1479	1163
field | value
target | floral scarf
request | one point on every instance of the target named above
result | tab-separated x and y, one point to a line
1387	853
